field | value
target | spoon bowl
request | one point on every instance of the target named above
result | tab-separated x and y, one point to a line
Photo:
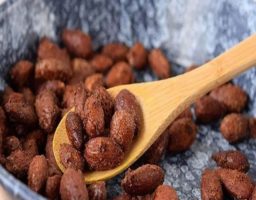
162	101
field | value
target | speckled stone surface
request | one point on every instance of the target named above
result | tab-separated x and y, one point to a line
190	31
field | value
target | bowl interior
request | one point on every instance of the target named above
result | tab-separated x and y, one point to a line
188	33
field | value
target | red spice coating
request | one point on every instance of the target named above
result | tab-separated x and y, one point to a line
19	110
101	63
48	49
72	186
106	102
238	184
56	86
159	64
18	163
47	110
81	70
207	109
11	143
37	173
94	81
137	56
122	128
102	153
52	186
143	180
125	100
165	192
252	127
97	191
21	73
231	160
233	97
74	129
77	43
121	73
182	134
93	121
185	114
116	51
71	158
51	69
28	95
211	186
154	154
234	127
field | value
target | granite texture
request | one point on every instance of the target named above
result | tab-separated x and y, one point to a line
189	31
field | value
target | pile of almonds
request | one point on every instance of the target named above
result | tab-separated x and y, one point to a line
77	76
229	178
109	133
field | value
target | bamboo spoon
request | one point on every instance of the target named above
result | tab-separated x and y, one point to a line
162	101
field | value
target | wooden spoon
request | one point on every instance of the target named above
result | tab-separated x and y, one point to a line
162	101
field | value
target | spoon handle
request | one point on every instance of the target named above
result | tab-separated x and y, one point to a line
165	100
221	69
